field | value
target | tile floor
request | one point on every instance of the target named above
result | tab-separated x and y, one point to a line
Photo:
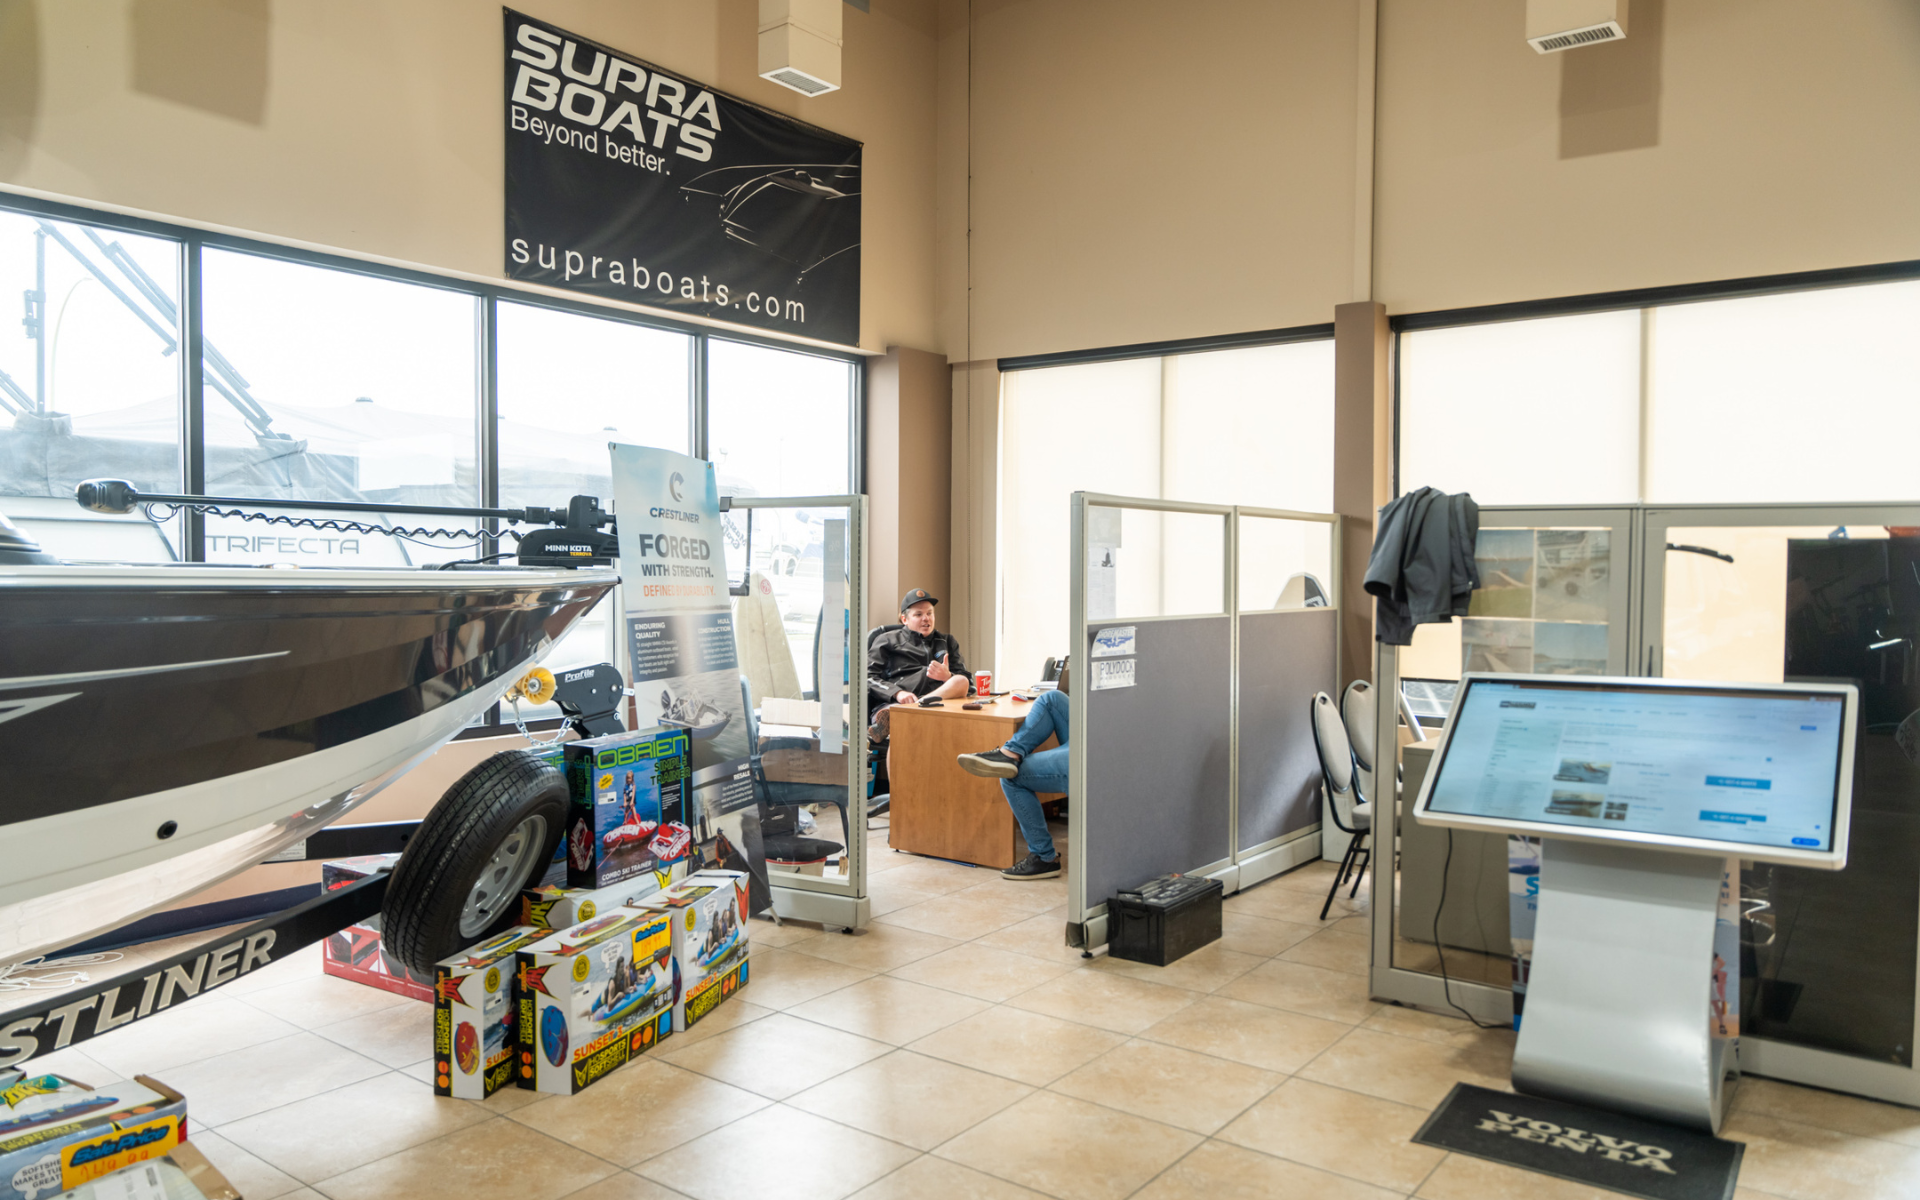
954	1049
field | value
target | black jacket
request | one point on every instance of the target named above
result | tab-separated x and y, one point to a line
899	658
1422	569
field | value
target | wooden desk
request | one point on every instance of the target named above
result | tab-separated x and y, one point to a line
939	809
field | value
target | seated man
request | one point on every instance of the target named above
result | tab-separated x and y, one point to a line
906	665
1023	769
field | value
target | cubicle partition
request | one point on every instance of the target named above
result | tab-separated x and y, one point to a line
1200	634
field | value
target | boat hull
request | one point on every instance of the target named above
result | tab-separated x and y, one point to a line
230	711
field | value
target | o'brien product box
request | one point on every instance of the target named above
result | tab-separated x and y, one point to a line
355	952
591	997
709	914
629	808
473	1013
56	1134
554	908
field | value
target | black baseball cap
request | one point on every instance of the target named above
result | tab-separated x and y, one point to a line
916	596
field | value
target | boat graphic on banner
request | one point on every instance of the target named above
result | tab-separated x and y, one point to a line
682	663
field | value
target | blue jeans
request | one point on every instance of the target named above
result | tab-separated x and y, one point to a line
1040	770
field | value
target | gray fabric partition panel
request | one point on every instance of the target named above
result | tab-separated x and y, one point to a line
1158	755
1285	657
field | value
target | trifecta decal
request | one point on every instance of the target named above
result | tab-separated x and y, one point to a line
630	182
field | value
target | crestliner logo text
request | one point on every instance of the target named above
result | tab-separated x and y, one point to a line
607	95
1579	1141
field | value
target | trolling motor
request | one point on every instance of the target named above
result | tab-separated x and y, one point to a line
579	540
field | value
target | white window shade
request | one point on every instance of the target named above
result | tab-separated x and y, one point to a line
1544	411
1251	427
1805	396
1091	428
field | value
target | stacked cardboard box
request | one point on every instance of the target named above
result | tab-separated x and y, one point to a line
708	911
592	997
473	1016
630	798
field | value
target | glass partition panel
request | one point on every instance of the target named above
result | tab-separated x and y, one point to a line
1285	564
780	621
332	385
1146	563
93	388
1553	600
796	645
1828	959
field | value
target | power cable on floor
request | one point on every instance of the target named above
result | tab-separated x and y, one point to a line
1446	981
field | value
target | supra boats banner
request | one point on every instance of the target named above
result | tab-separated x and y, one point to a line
633	183
681	659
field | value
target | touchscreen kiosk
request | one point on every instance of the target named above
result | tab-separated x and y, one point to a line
1645	794
1756	771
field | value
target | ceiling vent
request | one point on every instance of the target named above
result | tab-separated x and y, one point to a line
1555	25
800	44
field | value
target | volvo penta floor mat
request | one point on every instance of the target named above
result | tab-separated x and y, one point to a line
1601	1149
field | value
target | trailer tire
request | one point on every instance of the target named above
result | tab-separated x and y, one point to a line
459	880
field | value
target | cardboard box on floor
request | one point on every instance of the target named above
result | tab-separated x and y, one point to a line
182	1173
56	1134
473	1016
709	916
592	997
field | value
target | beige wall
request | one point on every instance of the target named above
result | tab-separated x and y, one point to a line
1137	170
909	482
1724	138
375	128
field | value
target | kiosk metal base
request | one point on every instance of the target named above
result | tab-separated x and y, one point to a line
1618	1000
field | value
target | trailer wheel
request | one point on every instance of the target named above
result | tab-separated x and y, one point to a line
459	880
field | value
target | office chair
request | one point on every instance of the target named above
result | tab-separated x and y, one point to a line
879	800
1303	589
779	827
1340	775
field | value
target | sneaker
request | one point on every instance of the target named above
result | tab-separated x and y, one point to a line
1032	867
996	763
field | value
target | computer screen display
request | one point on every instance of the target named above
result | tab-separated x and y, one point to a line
1721	765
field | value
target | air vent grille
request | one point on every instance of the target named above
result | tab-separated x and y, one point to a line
1608	31
805	84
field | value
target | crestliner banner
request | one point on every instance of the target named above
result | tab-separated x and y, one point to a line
681	659
634	183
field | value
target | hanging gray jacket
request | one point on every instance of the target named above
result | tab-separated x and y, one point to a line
1422	569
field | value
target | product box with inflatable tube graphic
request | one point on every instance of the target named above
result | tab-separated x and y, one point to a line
182	1173
355	952
629	801
473	1016
56	1134
708	910
592	997
553	908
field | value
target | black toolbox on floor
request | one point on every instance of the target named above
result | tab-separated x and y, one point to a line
1164	919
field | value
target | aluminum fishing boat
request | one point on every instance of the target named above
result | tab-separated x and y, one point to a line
165	727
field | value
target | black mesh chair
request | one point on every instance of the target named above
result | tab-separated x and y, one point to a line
1340	775
780	799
